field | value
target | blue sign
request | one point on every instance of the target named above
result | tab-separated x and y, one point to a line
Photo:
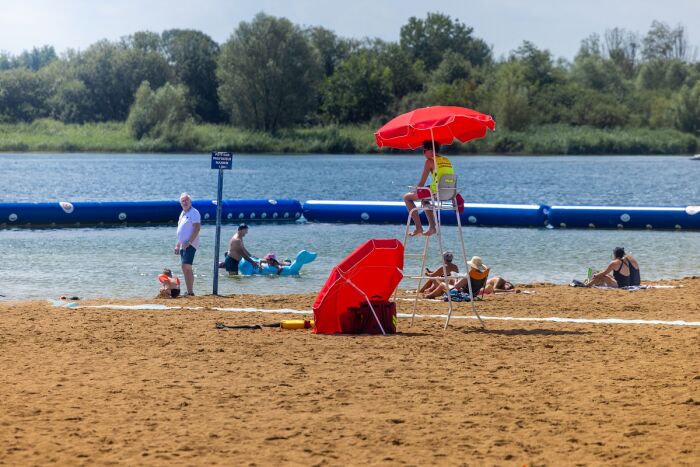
221	160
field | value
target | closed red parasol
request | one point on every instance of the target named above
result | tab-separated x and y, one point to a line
440	123
371	272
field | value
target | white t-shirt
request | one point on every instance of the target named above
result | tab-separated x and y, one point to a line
185	226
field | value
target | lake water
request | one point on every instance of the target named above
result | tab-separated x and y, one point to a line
124	261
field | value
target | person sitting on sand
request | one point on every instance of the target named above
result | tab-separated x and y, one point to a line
436	166
438	273
169	286
478	272
623	271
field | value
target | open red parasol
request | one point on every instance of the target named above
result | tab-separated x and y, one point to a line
440	123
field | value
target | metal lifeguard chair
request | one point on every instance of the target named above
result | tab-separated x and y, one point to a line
444	199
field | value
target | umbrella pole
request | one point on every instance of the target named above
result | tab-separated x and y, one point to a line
466	264
435	200
438	228
420	279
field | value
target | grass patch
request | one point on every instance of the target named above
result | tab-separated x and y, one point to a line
51	136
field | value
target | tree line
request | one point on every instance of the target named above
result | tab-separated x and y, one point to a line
272	74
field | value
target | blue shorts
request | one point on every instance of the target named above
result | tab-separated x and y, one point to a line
187	255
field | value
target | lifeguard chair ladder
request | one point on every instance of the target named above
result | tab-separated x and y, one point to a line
443	200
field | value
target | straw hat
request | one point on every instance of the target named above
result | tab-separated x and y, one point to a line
477	263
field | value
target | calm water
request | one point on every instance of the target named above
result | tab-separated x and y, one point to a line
123	262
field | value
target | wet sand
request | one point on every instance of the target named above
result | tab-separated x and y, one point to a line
105	386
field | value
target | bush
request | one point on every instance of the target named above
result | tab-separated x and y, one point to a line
163	115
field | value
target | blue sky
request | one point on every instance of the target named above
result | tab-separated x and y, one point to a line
557	25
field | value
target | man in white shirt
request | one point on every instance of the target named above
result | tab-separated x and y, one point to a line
188	227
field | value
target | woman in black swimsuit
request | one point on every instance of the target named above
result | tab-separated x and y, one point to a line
623	271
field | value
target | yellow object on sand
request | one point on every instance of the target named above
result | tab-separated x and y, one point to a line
297	324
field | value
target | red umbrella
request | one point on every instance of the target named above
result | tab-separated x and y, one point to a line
440	123
371	272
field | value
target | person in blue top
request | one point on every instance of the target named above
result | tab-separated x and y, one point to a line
623	271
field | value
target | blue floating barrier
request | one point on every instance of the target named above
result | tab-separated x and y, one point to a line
390	212
92	213
628	217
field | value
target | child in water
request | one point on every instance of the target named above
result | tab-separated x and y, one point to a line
271	261
169	286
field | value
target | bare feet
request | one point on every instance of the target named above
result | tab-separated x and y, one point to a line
416	233
429	232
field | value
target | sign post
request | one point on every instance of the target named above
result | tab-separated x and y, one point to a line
221	161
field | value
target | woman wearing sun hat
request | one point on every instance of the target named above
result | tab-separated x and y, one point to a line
478	273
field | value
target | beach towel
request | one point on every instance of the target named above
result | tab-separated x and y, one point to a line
632	288
457	296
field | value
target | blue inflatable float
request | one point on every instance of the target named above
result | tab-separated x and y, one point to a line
388	212
302	258
629	217
142	212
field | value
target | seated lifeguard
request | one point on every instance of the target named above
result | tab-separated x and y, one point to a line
436	166
169	286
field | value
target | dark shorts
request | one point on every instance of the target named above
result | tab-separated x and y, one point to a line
231	265
174	293
187	255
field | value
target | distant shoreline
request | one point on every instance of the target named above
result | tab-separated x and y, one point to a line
46	135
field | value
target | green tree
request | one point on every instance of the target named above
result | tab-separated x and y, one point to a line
192	56
510	102
359	89
158	114
598	109
429	39
687	109
268	74
145	41
452	68
597	73
331	49
6	61
406	75
36	58
112	73
23	95
622	48
538	68
652	74
666	43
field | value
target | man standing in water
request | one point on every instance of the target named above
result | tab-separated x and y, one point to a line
237	251
188	227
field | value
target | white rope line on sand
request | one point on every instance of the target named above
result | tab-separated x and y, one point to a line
555	319
551	319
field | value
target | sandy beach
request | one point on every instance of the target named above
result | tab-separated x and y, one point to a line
165	387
